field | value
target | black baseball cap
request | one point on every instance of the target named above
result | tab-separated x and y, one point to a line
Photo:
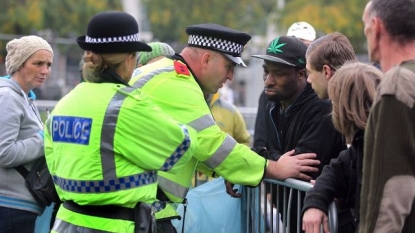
286	50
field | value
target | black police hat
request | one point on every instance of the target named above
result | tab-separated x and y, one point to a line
228	41
112	32
286	50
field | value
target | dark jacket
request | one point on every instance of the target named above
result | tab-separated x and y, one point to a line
341	179
260	130
304	126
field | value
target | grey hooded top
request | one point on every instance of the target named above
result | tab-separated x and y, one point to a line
20	144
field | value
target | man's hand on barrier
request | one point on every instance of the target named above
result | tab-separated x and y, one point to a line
312	220
290	166
231	191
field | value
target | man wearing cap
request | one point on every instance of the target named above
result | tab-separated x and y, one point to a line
226	115
307	34
300	120
178	85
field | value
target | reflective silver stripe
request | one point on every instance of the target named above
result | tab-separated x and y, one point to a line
179	152
176	189
221	153
105	186
202	122
108	132
62	226
184	146
49	124
147	77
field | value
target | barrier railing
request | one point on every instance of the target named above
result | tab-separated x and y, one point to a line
272	210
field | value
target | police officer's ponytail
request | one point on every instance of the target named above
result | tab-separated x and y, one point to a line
94	65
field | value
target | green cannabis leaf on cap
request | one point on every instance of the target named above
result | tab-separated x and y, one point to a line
274	47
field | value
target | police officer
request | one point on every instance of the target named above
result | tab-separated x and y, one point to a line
105	140
178	84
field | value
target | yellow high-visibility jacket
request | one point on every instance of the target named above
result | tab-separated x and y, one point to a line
230	121
172	86
104	144
228	118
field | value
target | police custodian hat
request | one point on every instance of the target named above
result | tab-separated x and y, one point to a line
112	32
211	36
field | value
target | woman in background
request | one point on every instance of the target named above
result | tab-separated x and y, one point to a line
28	63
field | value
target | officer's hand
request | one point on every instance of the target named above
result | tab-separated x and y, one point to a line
232	192
289	166
312	220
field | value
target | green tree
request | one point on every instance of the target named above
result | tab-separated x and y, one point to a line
71	17
64	17
168	19
328	16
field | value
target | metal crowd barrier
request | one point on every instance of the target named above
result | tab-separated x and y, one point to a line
261	215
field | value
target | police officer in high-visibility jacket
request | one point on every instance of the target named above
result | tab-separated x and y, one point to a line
105	140
178	84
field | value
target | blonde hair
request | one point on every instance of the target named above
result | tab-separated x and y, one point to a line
352	90
92	64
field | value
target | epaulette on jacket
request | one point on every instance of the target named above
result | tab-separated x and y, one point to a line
181	68
399	82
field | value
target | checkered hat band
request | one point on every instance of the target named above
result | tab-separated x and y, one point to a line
130	38
216	43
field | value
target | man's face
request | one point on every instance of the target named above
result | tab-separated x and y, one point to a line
281	81
219	69
372	44
318	81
